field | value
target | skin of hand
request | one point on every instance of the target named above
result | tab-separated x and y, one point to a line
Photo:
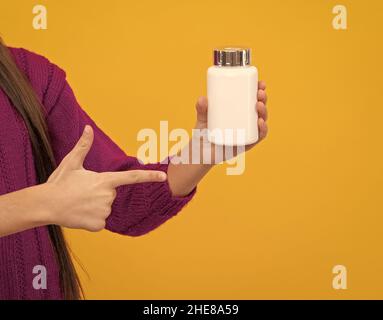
183	178
82	199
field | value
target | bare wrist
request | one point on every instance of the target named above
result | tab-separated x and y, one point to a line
44	203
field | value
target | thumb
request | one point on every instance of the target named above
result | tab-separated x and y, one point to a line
75	158
201	107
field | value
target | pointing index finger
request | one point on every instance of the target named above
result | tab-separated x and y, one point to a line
120	178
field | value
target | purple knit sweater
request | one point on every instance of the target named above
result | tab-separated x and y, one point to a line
137	209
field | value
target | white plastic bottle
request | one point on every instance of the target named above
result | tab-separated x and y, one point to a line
232	85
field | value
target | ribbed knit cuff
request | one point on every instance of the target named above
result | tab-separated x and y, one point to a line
150	205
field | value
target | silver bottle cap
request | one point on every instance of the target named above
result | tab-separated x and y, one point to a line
231	57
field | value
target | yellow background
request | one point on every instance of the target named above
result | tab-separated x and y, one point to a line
311	196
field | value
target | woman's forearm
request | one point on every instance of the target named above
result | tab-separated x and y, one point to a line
183	178
22	210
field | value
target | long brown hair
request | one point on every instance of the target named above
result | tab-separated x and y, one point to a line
20	92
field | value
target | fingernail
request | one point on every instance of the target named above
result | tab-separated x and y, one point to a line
162	176
87	129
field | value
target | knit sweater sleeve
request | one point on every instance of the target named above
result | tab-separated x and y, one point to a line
138	208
